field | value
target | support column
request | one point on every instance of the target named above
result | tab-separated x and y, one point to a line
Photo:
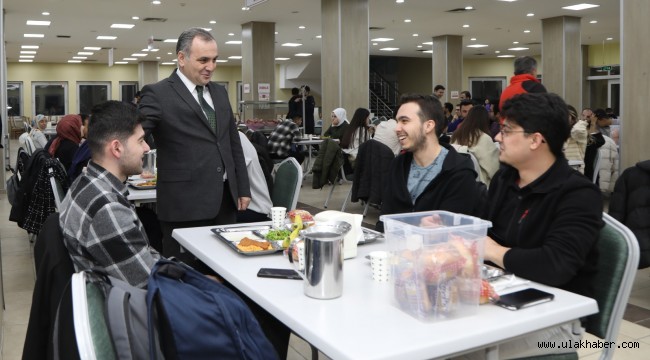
635	82
447	64
586	91
258	59
344	56
147	72
562	58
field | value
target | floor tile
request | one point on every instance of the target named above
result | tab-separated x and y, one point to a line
640	297
585	352
633	331
292	354
17	307
22	261
15	281
11	245
635	314
13	341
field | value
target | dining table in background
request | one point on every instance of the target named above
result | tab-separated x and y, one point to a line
364	323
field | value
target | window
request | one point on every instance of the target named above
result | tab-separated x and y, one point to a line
50	98
128	89
14	98
91	94
487	88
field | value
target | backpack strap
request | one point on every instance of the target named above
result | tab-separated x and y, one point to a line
117	306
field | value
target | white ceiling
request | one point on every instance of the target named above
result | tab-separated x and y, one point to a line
493	22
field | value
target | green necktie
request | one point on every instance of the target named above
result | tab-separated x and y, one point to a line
209	112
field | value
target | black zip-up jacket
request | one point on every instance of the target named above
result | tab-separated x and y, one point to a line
551	225
455	189
630	204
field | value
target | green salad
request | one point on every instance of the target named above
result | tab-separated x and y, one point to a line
277	235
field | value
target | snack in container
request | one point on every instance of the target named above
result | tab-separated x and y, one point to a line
436	263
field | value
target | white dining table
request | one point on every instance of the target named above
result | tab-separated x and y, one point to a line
364	323
138	196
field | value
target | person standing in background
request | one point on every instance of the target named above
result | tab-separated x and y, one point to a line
294	104
308	116
202	177
524	81
439	92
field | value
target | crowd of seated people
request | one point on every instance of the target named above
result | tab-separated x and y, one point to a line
545	215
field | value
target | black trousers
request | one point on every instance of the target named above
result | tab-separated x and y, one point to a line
227	215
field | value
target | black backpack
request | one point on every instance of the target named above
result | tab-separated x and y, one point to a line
199	318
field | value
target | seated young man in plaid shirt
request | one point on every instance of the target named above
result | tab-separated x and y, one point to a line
281	139
100	226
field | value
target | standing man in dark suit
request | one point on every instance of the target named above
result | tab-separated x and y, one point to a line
202	178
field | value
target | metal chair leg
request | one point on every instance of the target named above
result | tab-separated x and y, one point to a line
345	202
330	195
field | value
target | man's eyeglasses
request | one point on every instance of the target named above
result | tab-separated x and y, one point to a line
506	130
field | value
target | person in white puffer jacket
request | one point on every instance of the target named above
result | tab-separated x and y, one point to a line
608	169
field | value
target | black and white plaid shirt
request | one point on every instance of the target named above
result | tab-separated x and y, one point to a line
101	229
282	137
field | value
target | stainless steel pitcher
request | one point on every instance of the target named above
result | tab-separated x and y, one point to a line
319	249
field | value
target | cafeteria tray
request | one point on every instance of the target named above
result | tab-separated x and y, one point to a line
370	236
232	236
136	184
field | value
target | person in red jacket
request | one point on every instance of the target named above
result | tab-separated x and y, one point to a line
524	81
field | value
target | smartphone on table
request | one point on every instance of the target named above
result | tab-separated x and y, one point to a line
523	298
279	274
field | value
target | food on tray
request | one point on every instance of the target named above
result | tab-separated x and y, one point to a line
248	245
278	235
304	215
147	183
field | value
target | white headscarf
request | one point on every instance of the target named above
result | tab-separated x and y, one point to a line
341	115
37	119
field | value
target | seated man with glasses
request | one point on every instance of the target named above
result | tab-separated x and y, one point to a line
545	215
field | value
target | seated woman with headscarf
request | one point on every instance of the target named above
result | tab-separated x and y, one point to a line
68	137
38	125
339	124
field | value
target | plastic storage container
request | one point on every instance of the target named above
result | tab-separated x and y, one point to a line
436	259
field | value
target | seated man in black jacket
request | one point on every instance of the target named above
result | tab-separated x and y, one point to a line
545	216
429	175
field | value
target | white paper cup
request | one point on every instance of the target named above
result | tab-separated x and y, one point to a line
380	266
278	214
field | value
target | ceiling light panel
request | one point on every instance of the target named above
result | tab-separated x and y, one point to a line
578	7
92	48
234	42
382	39
122	26
104	37
291	44
33	35
29	46
39	22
